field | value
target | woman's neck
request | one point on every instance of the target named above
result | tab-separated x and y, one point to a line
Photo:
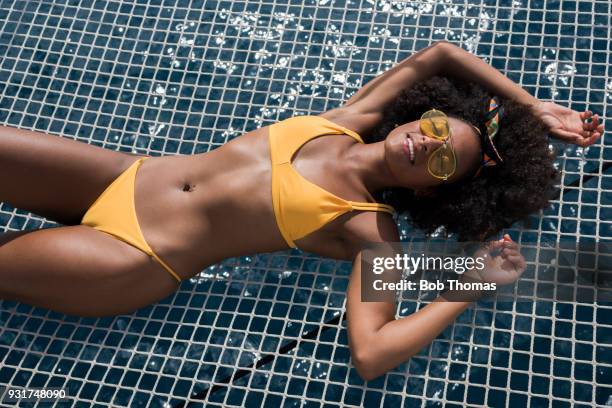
368	162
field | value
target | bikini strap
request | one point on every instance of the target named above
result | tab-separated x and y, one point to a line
355	135
166	267
372	207
341	128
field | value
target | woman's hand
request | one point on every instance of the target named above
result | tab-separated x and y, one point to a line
502	269
569	125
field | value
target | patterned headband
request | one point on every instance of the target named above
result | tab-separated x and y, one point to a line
490	155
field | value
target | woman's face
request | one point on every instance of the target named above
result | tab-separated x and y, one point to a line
411	170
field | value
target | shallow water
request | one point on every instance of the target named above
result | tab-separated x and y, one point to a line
185	77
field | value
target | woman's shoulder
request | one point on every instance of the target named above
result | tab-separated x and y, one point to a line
368	226
350	118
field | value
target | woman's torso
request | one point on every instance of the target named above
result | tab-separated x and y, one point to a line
229	211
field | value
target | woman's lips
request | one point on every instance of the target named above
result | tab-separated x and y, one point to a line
409	149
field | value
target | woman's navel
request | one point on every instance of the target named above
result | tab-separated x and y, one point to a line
187	187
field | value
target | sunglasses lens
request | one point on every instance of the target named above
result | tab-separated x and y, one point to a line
434	124
442	162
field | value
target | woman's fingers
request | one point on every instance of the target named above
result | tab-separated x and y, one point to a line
589	125
518	261
497	245
586	114
500	243
510	245
592	125
507	252
586	139
592	139
581	141
506	244
570	137
570	131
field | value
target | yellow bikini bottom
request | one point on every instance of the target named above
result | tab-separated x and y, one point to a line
114	213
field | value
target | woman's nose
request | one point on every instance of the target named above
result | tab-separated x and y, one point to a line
430	144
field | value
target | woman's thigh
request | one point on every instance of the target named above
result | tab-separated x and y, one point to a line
80	271
52	176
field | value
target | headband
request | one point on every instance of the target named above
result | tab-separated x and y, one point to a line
490	155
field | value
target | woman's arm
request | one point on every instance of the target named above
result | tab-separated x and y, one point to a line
378	342
440	58
365	108
563	123
463	65
374	96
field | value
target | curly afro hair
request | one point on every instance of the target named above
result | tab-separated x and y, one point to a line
476	208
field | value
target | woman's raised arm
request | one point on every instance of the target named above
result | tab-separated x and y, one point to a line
379	92
464	65
440	58
366	107
563	123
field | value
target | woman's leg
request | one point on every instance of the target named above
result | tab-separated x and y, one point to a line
11	235
79	271
55	177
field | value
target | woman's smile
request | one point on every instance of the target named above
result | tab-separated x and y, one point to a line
408	148
412	147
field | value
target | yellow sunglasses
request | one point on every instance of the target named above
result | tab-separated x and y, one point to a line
442	163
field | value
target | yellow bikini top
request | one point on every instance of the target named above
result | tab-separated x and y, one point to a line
301	207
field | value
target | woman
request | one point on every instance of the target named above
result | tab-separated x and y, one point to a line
129	240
